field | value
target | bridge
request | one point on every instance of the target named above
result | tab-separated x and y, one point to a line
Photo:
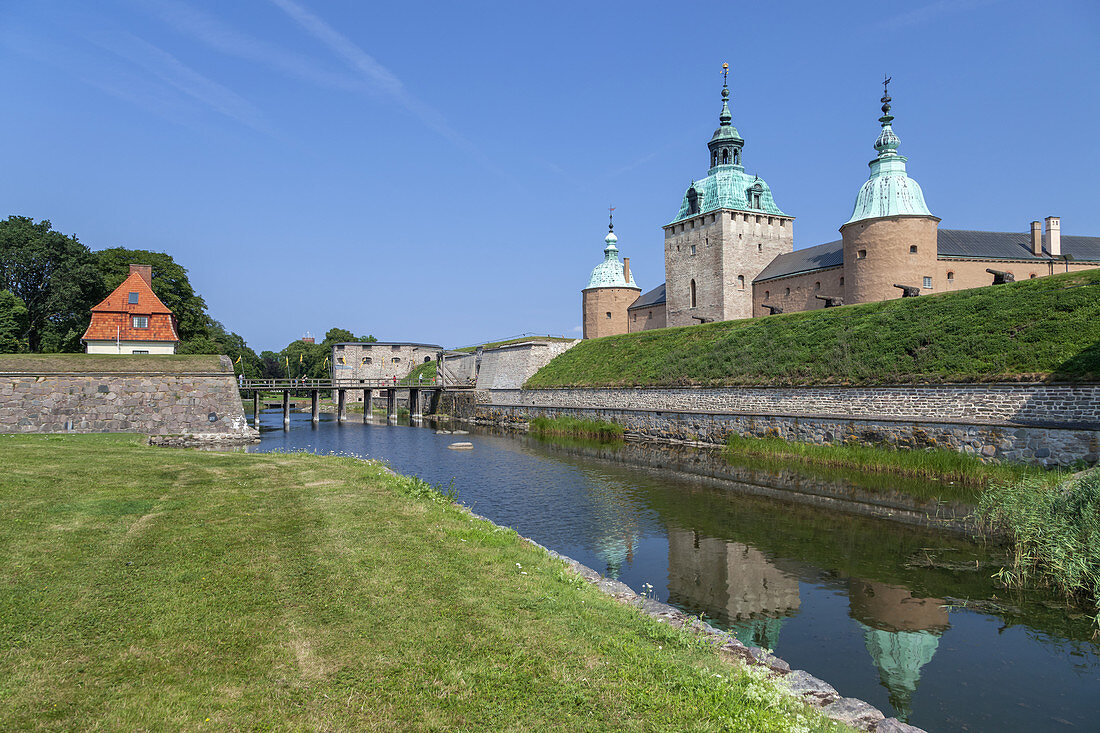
339	388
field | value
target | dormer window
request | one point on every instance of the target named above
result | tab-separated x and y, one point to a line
693	201
754	195
141	321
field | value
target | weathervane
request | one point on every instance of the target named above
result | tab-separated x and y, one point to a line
610	218
725	71
886	94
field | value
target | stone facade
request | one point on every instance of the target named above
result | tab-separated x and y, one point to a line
1047	424
378	360
646	318
879	253
604	310
961	274
192	404
798	292
508	367
721	253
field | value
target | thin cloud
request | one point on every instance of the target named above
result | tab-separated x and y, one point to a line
212	32
928	13
381	79
185	80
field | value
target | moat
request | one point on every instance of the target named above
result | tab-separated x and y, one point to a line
903	616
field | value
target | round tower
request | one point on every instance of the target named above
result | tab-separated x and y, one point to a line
890	247
611	290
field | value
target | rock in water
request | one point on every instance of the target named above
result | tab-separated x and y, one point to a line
461	446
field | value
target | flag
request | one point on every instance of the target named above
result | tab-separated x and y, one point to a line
238	361
300	358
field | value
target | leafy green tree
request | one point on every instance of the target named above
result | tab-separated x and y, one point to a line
337	336
55	277
170	283
13	323
271	365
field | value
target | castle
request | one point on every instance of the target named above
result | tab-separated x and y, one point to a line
729	253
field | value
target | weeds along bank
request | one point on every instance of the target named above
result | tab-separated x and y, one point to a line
369	599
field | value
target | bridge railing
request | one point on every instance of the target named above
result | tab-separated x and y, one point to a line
281	384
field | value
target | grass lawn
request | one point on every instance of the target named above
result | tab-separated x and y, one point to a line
158	589
1047	328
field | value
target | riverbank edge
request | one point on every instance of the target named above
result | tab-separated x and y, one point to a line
813	691
944	517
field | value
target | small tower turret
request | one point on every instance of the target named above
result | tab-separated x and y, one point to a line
726	143
610	291
891	237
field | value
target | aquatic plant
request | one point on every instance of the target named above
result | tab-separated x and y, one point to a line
1054	534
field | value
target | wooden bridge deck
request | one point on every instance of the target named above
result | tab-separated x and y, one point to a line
293	384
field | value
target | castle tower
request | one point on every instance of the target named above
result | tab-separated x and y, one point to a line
610	291
727	230
891	238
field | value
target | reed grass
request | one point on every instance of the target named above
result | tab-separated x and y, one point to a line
933	463
1054	534
572	427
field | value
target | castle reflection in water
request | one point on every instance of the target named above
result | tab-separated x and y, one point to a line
754	595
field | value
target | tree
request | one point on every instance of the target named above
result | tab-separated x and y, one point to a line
170	283
337	336
13	323
55	277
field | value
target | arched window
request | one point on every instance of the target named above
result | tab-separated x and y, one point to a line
692	293
788	291
713	159
741	282
725	156
609	314
767	294
950	276
1032	276
366	360
693	201
817	285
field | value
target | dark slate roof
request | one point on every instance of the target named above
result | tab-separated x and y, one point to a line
653	297
961	243
830	254
1010	246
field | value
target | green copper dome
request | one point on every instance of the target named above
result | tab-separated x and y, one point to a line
609	273
889	191
727	186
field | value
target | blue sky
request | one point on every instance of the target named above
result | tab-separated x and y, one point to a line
441	172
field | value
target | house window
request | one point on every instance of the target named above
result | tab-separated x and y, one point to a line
912	249
140	351
861	255
141	321
692	293
950	277
133	301
366	360
928	282
741	282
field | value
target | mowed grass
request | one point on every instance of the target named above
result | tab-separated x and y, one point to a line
107	363
1047	328
156	589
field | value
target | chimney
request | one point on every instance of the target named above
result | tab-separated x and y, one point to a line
146	272
1037	238
1054	236
626	269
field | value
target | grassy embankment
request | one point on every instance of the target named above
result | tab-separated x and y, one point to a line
572	427
519	340
152	588
426	370
1047	328
108	363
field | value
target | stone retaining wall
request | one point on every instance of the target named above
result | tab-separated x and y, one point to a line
1049	425
190	403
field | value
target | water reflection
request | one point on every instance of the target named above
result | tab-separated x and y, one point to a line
849	598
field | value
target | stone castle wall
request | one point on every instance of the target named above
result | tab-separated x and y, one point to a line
508	367
603	310
1047	424
796	292
879	253
189	403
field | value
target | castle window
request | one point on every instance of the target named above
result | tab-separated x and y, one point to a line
736	156
692	293
339	360
427	359
841	282
788	291
634	317
950	276
928	282
741	282
760	247
141	321
770	221
817	285
713	159
693	249
609	314
767	294
1032	276
396	360
649	315
725	156
366	360
133	298
861	255
912	249
395	347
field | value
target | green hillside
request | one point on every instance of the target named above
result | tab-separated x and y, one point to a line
1047	328
111	363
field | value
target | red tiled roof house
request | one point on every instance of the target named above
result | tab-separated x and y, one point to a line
132	320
